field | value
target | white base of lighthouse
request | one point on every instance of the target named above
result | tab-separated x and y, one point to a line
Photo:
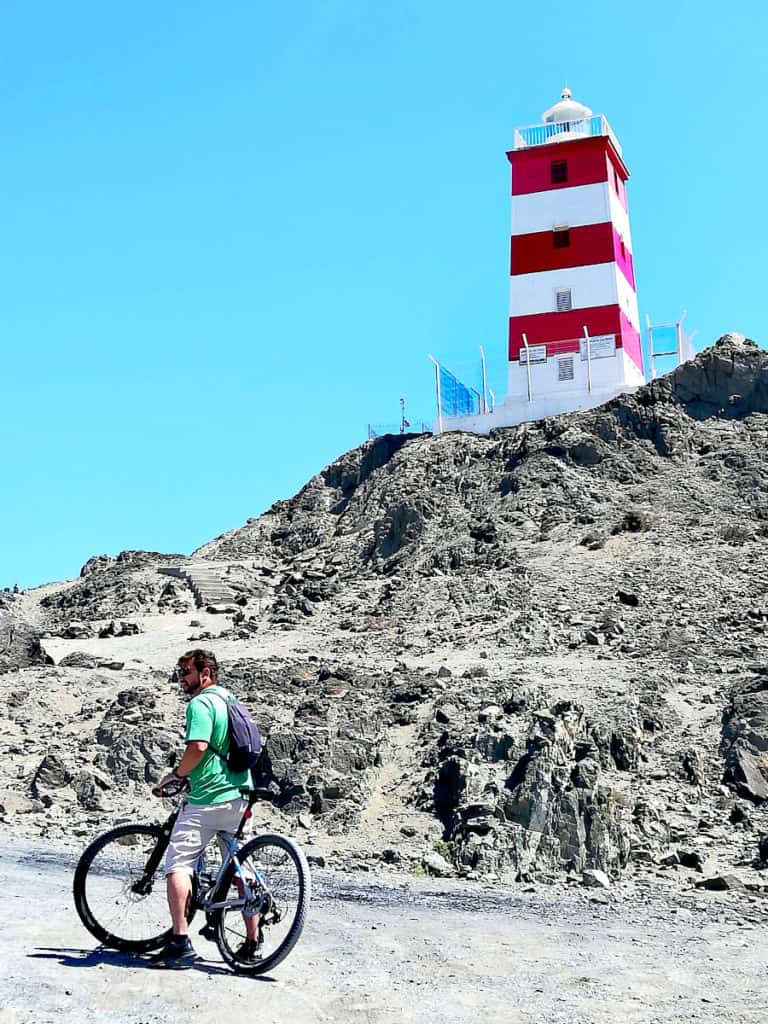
554	397
570	373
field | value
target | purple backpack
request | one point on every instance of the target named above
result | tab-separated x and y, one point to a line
244	747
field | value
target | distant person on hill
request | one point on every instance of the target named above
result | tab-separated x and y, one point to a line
215	802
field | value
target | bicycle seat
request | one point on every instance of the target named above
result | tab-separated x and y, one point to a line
260	793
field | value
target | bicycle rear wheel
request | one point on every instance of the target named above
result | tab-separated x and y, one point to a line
277	874
119	889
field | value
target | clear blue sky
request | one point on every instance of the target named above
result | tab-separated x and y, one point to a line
230	234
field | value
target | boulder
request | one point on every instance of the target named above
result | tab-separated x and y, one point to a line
745	775
79	659
446	713
16	803
722	883
691	859
436	864
52	773
596	879
745	739
77	631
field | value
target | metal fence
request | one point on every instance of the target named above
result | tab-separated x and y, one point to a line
595	346
668	345
456	398
564	354
379	429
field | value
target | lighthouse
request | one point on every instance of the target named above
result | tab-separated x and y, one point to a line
574	327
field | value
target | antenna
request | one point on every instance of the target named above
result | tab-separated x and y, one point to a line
404	422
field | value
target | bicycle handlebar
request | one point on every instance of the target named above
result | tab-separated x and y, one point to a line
172	788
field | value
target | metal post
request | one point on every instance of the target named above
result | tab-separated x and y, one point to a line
679	332
589	360
688	350
493	399
485	385
439	398
649	332
528	366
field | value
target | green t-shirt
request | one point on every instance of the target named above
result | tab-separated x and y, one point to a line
211	781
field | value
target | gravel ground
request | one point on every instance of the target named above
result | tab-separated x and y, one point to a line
377	949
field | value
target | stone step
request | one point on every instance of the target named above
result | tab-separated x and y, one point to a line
207	583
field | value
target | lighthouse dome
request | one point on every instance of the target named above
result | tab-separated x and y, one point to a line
567	109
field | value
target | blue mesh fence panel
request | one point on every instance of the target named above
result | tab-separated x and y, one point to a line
456	398
664	349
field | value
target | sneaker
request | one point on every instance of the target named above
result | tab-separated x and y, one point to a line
178	953
251	950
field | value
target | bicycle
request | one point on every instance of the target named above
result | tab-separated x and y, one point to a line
120	903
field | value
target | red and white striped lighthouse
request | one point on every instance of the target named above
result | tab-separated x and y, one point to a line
574	328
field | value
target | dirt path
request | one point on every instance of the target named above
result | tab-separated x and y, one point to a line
393	780
385	951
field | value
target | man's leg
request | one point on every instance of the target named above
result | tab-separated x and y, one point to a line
179	892
187	841
252	923
178	951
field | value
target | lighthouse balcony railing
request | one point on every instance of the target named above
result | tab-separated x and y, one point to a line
565	131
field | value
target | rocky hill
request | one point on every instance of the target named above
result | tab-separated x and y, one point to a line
523	655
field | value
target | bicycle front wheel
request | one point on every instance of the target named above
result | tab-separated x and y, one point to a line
275	873
119	889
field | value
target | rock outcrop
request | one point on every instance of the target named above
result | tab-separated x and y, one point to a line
537	653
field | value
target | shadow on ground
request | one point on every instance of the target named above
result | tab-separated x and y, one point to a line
74	957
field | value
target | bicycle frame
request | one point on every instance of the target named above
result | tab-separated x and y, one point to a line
207	903
204	900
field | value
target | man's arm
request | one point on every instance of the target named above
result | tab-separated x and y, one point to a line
200	719
193	755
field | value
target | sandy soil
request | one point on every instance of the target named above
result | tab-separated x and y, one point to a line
379	950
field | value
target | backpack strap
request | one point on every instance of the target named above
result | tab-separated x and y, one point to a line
226	702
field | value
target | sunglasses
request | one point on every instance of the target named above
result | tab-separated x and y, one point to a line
181	672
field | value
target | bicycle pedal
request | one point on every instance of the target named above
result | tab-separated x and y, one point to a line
208	932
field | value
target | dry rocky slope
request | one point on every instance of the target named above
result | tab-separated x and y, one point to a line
519	656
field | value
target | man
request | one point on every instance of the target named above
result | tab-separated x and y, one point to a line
215	801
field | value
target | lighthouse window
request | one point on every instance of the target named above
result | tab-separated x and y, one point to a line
565	368
563	300
559	169
562	237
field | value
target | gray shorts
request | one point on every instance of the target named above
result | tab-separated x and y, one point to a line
196	826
